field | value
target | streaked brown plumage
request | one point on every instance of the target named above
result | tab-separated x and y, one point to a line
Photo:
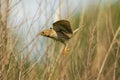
61	32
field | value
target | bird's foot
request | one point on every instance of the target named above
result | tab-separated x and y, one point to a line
65	51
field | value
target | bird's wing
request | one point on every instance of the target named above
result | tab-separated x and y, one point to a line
63	26
63	29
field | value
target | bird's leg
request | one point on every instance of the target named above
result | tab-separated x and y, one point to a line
65	50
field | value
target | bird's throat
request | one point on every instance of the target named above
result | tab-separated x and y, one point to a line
53	35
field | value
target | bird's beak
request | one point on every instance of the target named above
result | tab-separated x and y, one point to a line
39	34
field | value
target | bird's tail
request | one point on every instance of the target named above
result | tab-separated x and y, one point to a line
76	30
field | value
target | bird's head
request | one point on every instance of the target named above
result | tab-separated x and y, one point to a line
47	33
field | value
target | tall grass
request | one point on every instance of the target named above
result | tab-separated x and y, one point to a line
94	51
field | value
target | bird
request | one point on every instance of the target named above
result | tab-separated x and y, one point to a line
61	31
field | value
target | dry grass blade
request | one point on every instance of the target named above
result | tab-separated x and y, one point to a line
108	52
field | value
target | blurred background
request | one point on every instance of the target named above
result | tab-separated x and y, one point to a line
94	50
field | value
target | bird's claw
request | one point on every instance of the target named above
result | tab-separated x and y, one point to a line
65	51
